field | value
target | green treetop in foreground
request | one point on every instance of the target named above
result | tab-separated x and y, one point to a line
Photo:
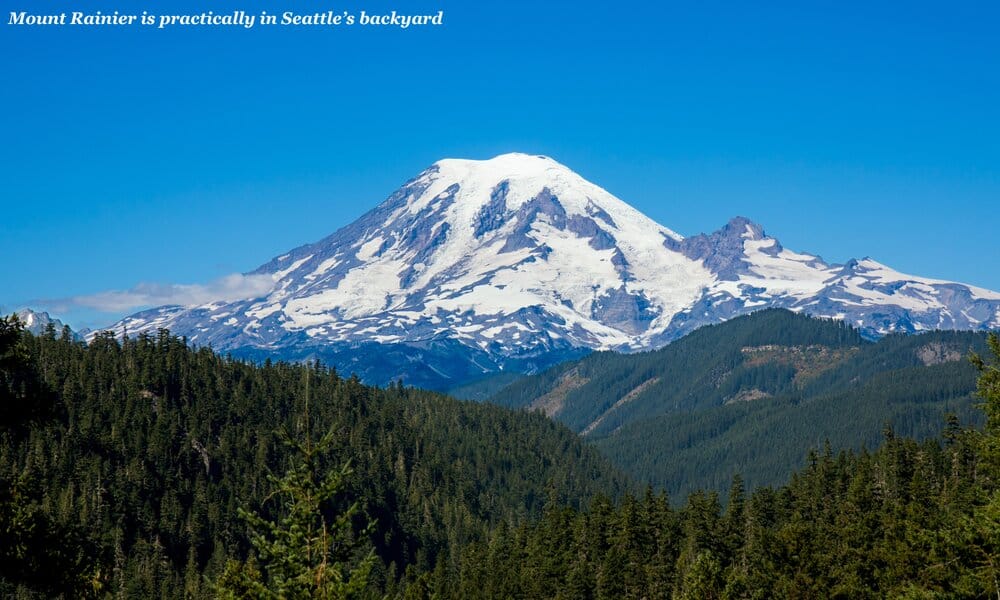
310	551
306	553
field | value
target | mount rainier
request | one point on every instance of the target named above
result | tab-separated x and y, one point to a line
516	263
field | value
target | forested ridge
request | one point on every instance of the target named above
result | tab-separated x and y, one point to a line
145	468
140	453
751	395
908	520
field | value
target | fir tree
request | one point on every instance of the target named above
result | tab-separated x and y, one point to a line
307	552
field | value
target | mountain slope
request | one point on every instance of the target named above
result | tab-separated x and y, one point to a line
749	394
706	368
151	448
516	263
765	440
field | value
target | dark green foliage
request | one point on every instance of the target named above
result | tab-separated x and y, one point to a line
152	448
764	439
38	554
309	552
131	482
749	395
910	520
23	395
684	375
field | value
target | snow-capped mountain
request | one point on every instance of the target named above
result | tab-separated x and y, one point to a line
516	262
753	271
36	322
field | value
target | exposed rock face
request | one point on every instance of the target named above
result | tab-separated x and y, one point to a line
748	396
938	353
552	403
723	251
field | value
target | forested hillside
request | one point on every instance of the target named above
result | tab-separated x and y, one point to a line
750	395
910	520
145	469
913	520
123	465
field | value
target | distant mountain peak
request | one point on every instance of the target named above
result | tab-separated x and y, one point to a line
744	228
37	321
516	258
724	252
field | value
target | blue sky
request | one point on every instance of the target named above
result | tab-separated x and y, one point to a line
180	156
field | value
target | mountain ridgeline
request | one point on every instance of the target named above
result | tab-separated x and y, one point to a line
750	395
516	263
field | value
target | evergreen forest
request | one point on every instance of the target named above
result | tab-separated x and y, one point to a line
144	468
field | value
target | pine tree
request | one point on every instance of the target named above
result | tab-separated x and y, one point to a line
306	552
979	534
988	386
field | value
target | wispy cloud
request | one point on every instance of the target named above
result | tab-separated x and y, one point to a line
228	288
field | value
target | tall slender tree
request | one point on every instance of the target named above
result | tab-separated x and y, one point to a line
310	550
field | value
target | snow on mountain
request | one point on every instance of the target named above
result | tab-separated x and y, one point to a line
36	322
517	258
754	271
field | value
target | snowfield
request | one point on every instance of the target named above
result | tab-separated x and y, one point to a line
518	255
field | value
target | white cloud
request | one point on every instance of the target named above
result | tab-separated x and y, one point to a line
228	288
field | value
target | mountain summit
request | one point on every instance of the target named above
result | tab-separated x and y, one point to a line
517	262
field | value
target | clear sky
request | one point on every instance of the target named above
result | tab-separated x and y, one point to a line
159	157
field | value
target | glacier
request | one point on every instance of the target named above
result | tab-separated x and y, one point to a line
516	263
